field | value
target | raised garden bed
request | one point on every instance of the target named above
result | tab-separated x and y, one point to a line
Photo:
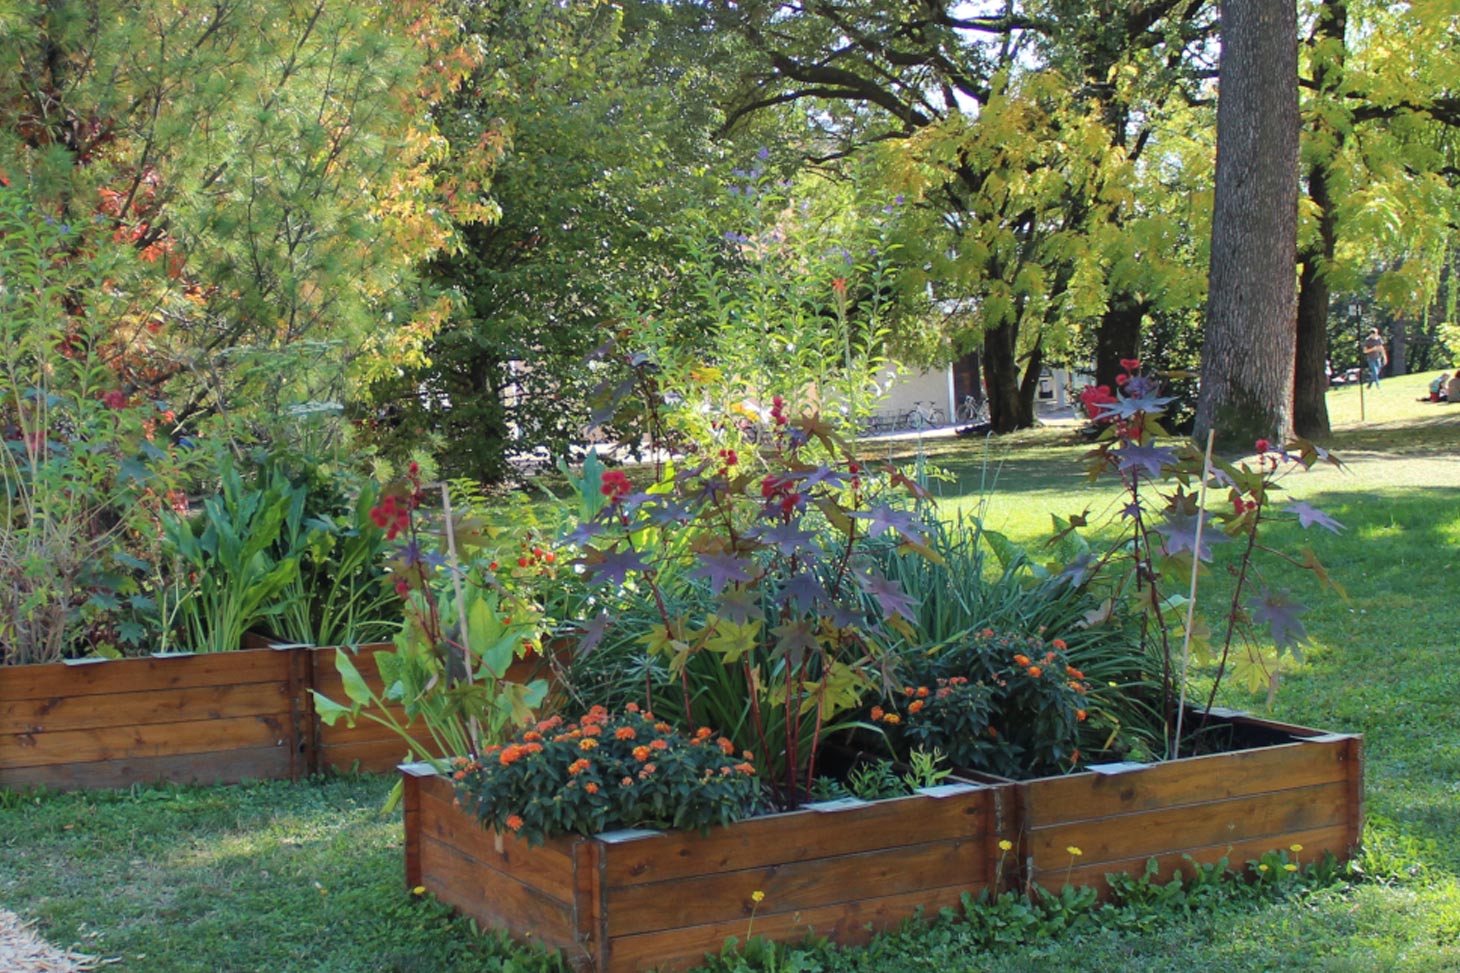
1286	785
638	900
213	718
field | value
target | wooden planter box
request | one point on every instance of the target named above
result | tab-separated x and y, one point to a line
640	900
1292	785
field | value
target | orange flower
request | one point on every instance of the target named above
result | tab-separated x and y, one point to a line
532	748
591	729
648	769
641	753
877	712
987	633
632	707
459	775
922	692
1049	657
892	718
663	728
703	733
746	769
587	743
1021	660
726	747
658	744
509	754
624	733
1059	644
1081	715
1035	671
627	782
579	765
532	735
514	823
916	705
591	787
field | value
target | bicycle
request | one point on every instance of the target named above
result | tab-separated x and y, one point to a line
924	415
973	410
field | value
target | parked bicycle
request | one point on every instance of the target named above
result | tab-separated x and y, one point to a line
924	415
973	410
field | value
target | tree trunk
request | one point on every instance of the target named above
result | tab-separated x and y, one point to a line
1399	347
1310	376
1008	408
1251	330
1119	336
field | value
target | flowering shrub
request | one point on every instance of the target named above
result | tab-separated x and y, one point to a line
607	771
1014	708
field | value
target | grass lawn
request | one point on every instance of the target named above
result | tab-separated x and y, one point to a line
307	877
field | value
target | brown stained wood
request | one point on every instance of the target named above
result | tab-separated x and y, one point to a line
1191	780
797	836
215	737
1190	826
495	898
259	763
55	714
547	867
795	886
846	923
1314	841
1354	764
588	924
144	675
370	757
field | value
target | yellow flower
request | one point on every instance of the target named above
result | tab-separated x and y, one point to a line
1290	867
1296	848
1006	845
757	896
1074	851
1262	868
419	890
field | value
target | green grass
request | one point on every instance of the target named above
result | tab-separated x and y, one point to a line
307	877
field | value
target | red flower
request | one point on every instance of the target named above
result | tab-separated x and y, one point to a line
1263	445
1130	364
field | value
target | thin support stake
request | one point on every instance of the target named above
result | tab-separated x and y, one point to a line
1201	510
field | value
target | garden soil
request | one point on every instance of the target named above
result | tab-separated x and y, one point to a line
22	951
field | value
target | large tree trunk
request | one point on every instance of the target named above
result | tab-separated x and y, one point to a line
1310	376
1248	352
1009	409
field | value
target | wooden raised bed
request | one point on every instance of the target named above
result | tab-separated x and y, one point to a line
1292	785
642	900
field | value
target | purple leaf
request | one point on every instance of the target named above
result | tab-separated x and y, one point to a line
1309	515
1280	614
720	570
888	593
1149	458
613	566
883	518
803	590
786	538
593	632
739	605
1179	532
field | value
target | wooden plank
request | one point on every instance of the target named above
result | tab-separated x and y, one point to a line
848	923
1315	842
56	714
369	757
1354	762
1192	780
1190	826
154	740
588	918
548	867
258	763
411	820
793	886
797	836
496	898
144	675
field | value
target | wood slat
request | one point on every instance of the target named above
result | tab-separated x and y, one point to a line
847	923
1314	841
259	763
794	886
369	757
144	675
1192	780
170	705
547	867
495	898
157	740
1190	826
797	836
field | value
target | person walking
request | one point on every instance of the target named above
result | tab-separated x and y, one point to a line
1376	354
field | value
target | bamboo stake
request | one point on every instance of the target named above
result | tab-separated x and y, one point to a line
1201	509
473	728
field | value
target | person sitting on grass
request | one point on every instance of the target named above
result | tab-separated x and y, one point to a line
1454	387
1438	389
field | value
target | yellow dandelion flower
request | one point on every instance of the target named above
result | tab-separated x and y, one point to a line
1290	867
419	890
1073	850
1296	848
757	896
1262	868
1006	845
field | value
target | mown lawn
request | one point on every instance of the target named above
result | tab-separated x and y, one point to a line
307	877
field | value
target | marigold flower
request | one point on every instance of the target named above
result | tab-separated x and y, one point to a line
914	706
658	744
726	746
587	743
514	822
892	718
624	733
663	728
877	713
1021	660
579	765
1059	644
922	692
1080	715
532	736
641	753
1035	671
647	770
591	787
